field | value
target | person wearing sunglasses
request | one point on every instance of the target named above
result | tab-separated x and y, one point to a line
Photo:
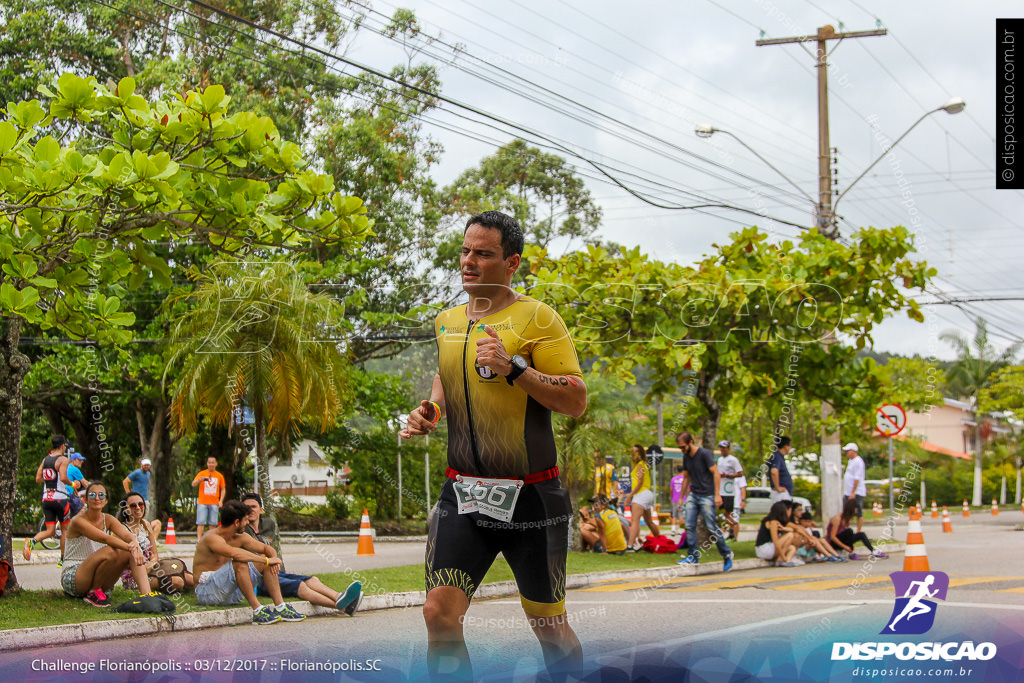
132	515
97	550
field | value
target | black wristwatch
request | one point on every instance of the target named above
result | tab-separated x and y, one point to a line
519	366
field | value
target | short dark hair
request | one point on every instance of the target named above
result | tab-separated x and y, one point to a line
784	441
686	436
232	511
58	440
252	495
511	233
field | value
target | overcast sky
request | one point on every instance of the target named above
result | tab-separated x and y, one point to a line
663	67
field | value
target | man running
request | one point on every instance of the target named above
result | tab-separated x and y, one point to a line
505	361
53	475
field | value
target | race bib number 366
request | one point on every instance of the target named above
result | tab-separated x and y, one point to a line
495	498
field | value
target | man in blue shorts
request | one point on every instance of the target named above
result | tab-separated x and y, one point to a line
308	588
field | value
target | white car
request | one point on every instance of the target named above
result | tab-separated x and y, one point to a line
758	501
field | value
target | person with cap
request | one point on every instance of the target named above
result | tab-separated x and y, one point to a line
78	481
853	481
138	480
729	471
212	489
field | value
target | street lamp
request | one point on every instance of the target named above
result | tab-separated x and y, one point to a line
955	105
706	130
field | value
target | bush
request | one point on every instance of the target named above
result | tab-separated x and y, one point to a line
810	491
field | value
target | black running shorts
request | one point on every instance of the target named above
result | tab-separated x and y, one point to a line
56	511
461	548
728	504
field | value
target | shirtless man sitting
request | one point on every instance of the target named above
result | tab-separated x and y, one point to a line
226	562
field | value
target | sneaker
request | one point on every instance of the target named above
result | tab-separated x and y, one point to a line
833	558
60	563
265	615
689	559
348	601
798	562
288	613
26	550
598	548
784	564
880	555
727	563
353	608
97	598
854	556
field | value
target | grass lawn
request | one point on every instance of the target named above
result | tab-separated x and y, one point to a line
46	608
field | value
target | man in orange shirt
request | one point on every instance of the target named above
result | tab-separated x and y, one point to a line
211	496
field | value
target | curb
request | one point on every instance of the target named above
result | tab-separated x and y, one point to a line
43	636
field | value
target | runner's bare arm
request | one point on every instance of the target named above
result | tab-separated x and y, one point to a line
420	420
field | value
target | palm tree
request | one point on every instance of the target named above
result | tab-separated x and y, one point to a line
970	373
255	337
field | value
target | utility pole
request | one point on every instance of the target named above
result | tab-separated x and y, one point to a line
831	459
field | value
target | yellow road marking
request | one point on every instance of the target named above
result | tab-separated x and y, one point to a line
657	583
832	583
742	583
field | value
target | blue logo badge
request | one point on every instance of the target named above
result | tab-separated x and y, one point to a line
914	612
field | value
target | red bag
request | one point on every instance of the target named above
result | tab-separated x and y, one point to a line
659	544
5	569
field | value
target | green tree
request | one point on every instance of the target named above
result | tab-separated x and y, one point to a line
746	318
257	338
542	191
78	226
977	359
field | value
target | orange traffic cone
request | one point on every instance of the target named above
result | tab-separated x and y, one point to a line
170	538
967	509
915	557
947	526
913	512
365	536
877	508
995	508
935	510
629	513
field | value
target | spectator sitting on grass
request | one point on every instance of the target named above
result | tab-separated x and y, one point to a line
605	530
132	515
97	550
588	531
225	562
809	546
308	588
842	537
773	543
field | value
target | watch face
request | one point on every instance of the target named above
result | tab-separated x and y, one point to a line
519	363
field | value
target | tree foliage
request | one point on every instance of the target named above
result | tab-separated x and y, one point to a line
748	318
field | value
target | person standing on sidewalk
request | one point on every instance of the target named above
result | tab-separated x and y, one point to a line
729	471
505	363
212	490
854	487
778	471
702	482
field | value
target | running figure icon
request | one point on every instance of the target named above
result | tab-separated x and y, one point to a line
915	597
915	606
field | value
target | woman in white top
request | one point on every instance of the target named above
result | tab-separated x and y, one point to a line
132	515
97	550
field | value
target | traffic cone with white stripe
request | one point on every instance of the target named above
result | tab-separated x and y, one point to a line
629	514
915	557
995	508
169	537
947	526
935	510
877	509
365	546
967	510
